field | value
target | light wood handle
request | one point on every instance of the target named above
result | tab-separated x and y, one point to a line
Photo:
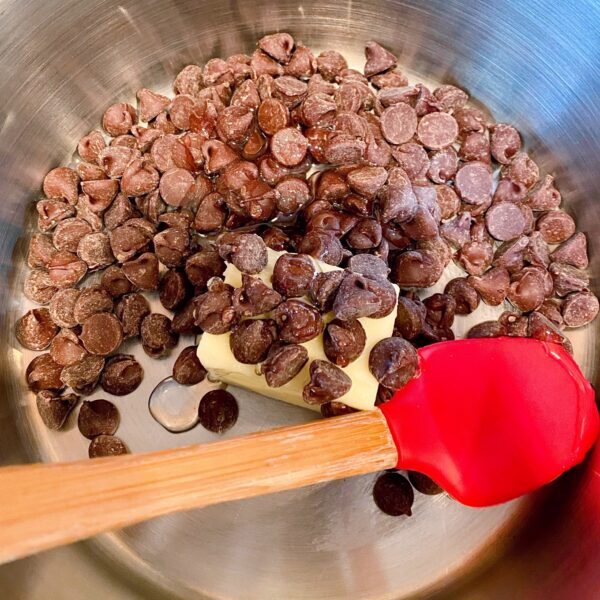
47	505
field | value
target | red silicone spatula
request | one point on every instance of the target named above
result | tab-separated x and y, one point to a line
488	419
492	419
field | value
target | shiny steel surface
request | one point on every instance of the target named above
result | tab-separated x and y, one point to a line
533	64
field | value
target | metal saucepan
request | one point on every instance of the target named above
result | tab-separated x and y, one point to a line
533	64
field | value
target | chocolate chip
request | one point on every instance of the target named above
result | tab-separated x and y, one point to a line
510	191
184	320
465	296
172	289
514	323
171	246
67	235
327	383
579	309
61	182
121	210
293	275
122	375
457	230
36	329
487	329
278	45
283	363
505	142
393	494
344	341
440	310
276	239
54	409
289	146
541	328
527	290
51	212
568	279
360	296
107	445
437	130
115	282
330	63
522	169
83	376
536	253
65	270
506	221
369	266
423	225
101	333
127	240
443	165
250	340
203	266
131	310
474	183
297	322
555	226
398	123
511	255
393	78
142	271
413	160
100	193
188	369
424	484
393	362
119	118
323	246
218	411
475	147
438	246
475	257
492	286
247	252
551	309
254	297
158	337
92	300
213	310
416	269
409	318
98	417
44	374
66	348
39	287
90	145
572	252
378	60
40	251
324	287
366	234
545	196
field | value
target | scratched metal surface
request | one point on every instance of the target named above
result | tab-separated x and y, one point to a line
533	64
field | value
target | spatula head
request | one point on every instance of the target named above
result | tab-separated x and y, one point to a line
492	419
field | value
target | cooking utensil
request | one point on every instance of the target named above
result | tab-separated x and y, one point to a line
488	419
531	64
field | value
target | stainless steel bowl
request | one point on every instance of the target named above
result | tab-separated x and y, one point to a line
534	64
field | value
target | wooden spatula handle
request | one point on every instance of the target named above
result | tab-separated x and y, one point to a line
47	505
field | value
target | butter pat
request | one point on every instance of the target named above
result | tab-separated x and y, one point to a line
216	356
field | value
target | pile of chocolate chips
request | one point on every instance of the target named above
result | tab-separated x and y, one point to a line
405	173
362	290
